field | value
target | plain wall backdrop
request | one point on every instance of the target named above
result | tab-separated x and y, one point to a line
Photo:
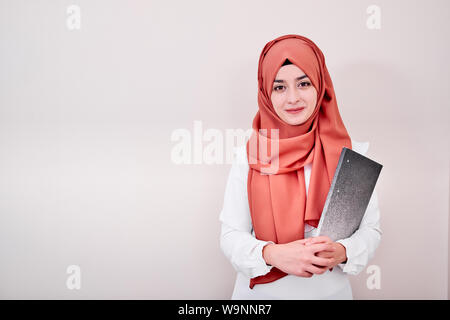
86	118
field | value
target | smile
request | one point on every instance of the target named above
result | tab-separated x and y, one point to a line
294	111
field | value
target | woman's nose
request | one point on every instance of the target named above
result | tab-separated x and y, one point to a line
293	96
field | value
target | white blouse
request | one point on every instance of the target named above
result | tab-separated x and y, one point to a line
240	246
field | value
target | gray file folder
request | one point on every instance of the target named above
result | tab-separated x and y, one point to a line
352	187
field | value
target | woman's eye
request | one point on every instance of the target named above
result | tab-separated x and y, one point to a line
278	88
305	84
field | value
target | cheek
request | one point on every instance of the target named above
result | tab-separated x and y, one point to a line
311	98
277	101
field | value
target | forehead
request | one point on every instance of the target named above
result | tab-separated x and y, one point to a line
288	72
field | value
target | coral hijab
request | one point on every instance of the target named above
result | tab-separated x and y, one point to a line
278	204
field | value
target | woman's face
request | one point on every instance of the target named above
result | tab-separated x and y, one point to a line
292	89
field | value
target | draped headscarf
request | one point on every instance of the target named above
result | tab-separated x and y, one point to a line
278	202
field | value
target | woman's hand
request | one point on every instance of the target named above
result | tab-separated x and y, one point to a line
300	257
338	255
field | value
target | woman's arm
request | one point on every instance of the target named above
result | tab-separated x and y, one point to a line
244	251
236	239
360	247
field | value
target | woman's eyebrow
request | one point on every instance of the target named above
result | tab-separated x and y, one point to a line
296	79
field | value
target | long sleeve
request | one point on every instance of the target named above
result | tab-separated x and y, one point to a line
361	245
244	251
237	242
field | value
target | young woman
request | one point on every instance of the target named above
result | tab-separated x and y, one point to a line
269	220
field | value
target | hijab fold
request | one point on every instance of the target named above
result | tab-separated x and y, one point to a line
279	205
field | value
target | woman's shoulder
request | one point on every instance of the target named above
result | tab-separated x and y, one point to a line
360	147
240	155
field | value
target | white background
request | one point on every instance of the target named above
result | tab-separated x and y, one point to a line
86	116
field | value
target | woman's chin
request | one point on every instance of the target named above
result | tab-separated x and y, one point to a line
294	121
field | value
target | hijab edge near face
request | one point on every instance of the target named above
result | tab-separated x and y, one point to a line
274	55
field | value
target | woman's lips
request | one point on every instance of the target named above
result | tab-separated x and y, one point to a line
294	111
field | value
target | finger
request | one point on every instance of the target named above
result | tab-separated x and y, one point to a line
323	262
316	269
319	239
322	247
324	254
307	274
